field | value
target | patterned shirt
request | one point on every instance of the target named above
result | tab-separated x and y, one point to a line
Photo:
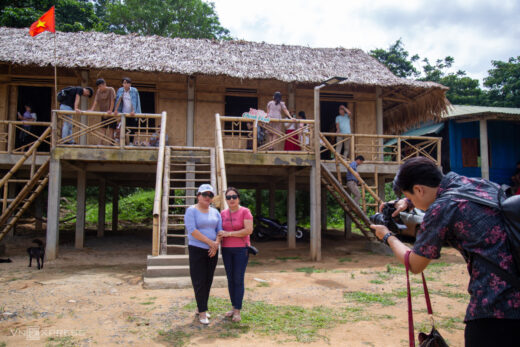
472	228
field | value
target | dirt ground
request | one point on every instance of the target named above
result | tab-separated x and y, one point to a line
94	296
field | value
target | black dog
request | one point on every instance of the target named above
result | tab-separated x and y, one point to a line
8	260
36	252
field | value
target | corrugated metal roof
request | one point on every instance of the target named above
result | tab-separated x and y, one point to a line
468	111
426	129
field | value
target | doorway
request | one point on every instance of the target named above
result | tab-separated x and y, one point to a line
40	100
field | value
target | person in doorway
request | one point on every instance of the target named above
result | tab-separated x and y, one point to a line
237	222
343	126
128	101
71	101
352	181
27	116
203	223
104	99
275	108
478	232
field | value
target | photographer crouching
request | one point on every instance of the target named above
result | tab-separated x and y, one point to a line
476	231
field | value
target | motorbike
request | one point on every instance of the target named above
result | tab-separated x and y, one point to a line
267	229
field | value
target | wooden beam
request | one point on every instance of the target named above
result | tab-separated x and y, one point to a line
291	209
315	183
115	208
484	155
275	159
80	209
140	155
53	210
190	112
101	208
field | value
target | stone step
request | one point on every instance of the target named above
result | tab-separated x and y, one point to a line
175	259
176	271
179	282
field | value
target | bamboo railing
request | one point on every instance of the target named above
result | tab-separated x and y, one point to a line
8	138
221	179
91	132
241	134
158	188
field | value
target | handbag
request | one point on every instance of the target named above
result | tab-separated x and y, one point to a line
250	248
434	338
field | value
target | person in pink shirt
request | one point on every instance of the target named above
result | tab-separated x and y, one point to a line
237	225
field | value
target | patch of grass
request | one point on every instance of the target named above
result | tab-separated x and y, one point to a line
438	266
419	280
447	294
176	338
395	269
287	258
377	282
369	298
3	344
254	263
451	285
263	284
383	276
61	341
346	259
309	270
338	271
147	303
300	323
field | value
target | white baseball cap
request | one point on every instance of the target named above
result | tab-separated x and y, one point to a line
205	188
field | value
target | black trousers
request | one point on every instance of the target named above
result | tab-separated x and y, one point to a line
491	332
202	269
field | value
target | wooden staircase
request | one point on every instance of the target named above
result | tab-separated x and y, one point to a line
14	208
185	169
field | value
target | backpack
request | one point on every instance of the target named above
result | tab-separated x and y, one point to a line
509	209
62	94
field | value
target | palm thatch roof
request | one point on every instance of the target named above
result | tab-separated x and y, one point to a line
238	59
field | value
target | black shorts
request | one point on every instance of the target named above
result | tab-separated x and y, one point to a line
492	332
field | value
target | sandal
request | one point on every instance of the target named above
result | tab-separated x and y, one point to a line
229	314
207	314
236	317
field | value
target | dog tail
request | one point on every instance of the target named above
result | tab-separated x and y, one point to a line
38	242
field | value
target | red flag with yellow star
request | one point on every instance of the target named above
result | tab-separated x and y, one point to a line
45	23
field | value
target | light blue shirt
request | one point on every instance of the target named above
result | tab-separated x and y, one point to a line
209	224
344	123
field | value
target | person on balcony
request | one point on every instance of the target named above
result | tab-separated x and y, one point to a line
294	145
27	116
104	99
275	108
343	122
128	101
352	181
71	97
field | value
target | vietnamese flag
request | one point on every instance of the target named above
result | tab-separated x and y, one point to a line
46	22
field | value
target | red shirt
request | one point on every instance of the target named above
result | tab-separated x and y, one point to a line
233	221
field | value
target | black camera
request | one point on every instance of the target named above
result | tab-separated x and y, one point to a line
394	224
405	223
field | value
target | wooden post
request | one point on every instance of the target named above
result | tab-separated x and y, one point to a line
53	210
190	113
258	202
399	150
291	209
323	210
122	132
80	209
439	151
11	137
272	201
84	106
255	136
11	188
484	156
101	208
54	130
165	208
156	223
115	208
316	183
379	121
380	188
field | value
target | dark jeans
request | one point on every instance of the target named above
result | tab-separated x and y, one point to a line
490	332
202	269
131	123
235	262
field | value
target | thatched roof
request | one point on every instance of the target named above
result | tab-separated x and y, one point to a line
238	59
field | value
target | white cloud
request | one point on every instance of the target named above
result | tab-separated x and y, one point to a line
474	32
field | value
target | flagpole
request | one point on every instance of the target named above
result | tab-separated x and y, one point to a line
55	75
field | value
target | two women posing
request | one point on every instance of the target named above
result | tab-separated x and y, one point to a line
207	229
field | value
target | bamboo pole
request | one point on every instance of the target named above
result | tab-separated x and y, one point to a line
165	203
122	133
10	138
54	127
220	158
24	157
158	186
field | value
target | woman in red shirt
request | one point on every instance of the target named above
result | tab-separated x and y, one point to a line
237	225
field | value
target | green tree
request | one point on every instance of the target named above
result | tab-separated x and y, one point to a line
170	18
504	83
396	59
71	15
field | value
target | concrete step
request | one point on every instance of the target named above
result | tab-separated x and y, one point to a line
172	260
179	282
176	271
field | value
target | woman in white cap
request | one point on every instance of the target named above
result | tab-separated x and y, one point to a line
203	223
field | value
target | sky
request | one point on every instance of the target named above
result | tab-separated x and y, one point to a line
473	32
